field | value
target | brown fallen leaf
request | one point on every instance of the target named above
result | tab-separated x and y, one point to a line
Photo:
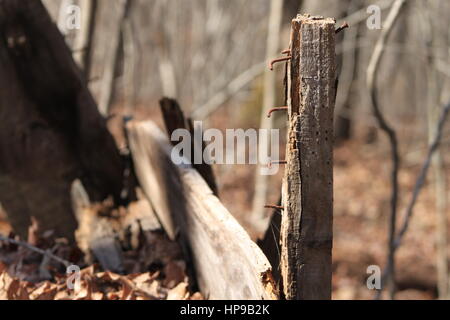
109	276
197	296
179	292
97	296
5	282
45	291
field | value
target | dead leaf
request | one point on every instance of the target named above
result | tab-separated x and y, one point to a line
179	292
5	282
46	291
197	296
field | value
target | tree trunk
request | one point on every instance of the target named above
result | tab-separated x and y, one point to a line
51	132
83	40
436	45
109	77
259	218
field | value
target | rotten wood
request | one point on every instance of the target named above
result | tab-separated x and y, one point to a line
228	264
307	222
51	131
95	234
174	119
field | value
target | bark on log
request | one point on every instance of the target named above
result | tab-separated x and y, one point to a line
51	131
228	264
307	222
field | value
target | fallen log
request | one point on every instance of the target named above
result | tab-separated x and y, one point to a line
227	263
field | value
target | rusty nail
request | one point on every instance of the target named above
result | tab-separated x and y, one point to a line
279	162
286	51
276	109
271	163
278	60
344	26
269	206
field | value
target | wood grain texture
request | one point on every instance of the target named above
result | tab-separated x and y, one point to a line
228	264
307	222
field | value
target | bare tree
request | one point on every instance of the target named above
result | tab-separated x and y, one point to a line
84	37
371	84
109	76
273	45
437	44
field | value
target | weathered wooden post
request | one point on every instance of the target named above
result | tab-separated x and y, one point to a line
307	223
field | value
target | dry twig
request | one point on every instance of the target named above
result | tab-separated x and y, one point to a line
419	183
390	132
45	253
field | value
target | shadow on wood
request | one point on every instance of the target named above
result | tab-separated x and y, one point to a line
174	119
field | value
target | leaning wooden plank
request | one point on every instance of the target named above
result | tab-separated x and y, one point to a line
228	264
153	172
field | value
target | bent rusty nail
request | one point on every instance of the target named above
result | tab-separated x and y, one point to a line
344	26
269	114
279	162
278	60
269	206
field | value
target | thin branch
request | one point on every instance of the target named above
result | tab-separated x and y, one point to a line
372	73
35	249
423	174
232	89
418	186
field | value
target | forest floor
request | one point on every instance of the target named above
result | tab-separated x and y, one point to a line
361	209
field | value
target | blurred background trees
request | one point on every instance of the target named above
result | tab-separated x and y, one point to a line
211	56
